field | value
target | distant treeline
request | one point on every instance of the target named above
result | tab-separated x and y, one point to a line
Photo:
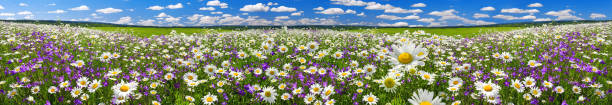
338	27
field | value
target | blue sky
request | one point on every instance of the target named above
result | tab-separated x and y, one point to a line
306	12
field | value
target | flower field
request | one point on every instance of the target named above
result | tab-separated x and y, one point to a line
550	65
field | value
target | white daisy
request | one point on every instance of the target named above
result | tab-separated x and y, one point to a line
424	97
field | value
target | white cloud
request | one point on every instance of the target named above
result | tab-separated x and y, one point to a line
219	12
57	11
207	9
400	10
272	3
516	10
176	6
194	17
24	13
332	11
361	14
349	2
564	15
597	15
80	8
281	17
255	8
397	24
297	13
377	6
489	8
349	11
216	3
208	20
155	8
450	14
148	22
52	4
1	7
161	15
23	4
173	19
392	17
318	8
7	14
109	10
124	20
418	5
283	9
479	15
544	19
427	20
508	17
535	5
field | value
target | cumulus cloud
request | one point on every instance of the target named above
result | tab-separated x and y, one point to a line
109	10
332	11
450	15
361	14
516	10
349	11
401	10
281	17
207	9
392	17
148	22
283	9
175	6
427	20
535	5
24	13
1	7
124	20
349	2
218	12
508	17
543	19
318	8
418	5
155	8
489	8
479	15
57	11
255	8
397	24
216	3
7	14
23	4
564	15
297	13
80	8
597	16
161	15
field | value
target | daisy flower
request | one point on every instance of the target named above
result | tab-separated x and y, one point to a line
424	97
455	81
82	82
52	89
389	83
529	82
488	88
559	89
506	57
309	98
190	77
533	63
209	99
124	89
576	89
78	63
286	96
297	91
105	57
315	88
517	85
370	99
536	92
94	85
76	92
408	54
268	94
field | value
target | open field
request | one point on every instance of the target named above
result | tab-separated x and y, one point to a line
464	32
148	31
567	64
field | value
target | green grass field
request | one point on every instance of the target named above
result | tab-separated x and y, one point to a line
464	32
149	31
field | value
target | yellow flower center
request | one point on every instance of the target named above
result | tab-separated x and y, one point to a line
370	99
389	82
405	58
425	103
455	82
124	88
487	88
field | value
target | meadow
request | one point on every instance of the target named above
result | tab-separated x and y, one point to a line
552	65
